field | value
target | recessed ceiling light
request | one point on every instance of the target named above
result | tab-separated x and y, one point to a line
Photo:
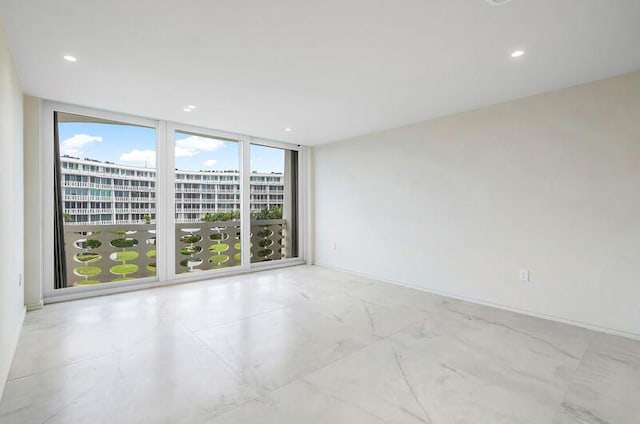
70	58
517	53
497	2
191	107
287	129
186	109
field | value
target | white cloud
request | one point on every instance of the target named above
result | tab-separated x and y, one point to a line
181	152
210	163
147	156
193	145
73	146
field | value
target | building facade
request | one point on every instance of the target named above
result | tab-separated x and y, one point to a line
96	192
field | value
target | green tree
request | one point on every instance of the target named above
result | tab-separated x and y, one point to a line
147	219
220	216
208	217
267	213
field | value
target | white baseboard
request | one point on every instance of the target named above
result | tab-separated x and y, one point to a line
587	325
35	306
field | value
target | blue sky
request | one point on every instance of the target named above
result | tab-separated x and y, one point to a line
133	145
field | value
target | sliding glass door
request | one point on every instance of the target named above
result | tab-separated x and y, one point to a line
273	203
207	202
105	201
135	201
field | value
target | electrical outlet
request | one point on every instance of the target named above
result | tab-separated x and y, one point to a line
524	275
20	280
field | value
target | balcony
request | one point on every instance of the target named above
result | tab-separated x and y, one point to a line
188	220
86	197
75	184
94	211
88	211
84	224
98	254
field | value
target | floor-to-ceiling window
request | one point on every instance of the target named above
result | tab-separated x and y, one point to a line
207	202
105	200
273	203
138	201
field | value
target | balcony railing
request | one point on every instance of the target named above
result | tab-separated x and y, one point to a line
84	184
106	174
212	245
107	253
96	211
102	253
86	197
86	211
93	223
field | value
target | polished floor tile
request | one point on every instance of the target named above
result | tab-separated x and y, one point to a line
312	345
469	373
168	377
278	347
606	387
299	402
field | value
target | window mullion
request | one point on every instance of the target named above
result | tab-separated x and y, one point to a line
245	223
164	203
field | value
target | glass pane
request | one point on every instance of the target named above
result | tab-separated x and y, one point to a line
107	187
207	198
273	203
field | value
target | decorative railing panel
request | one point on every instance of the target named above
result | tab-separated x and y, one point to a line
213	245
207	245
103	253
268	237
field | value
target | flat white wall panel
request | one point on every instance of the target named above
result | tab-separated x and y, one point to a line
549	183
11	212
32	201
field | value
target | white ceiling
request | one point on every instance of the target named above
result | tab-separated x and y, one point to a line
328	69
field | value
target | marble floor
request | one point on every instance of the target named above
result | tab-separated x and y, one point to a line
310	345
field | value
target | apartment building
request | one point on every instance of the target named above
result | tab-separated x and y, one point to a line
96	192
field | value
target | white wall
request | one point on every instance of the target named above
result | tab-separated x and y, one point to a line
32	200
458	205
11	212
